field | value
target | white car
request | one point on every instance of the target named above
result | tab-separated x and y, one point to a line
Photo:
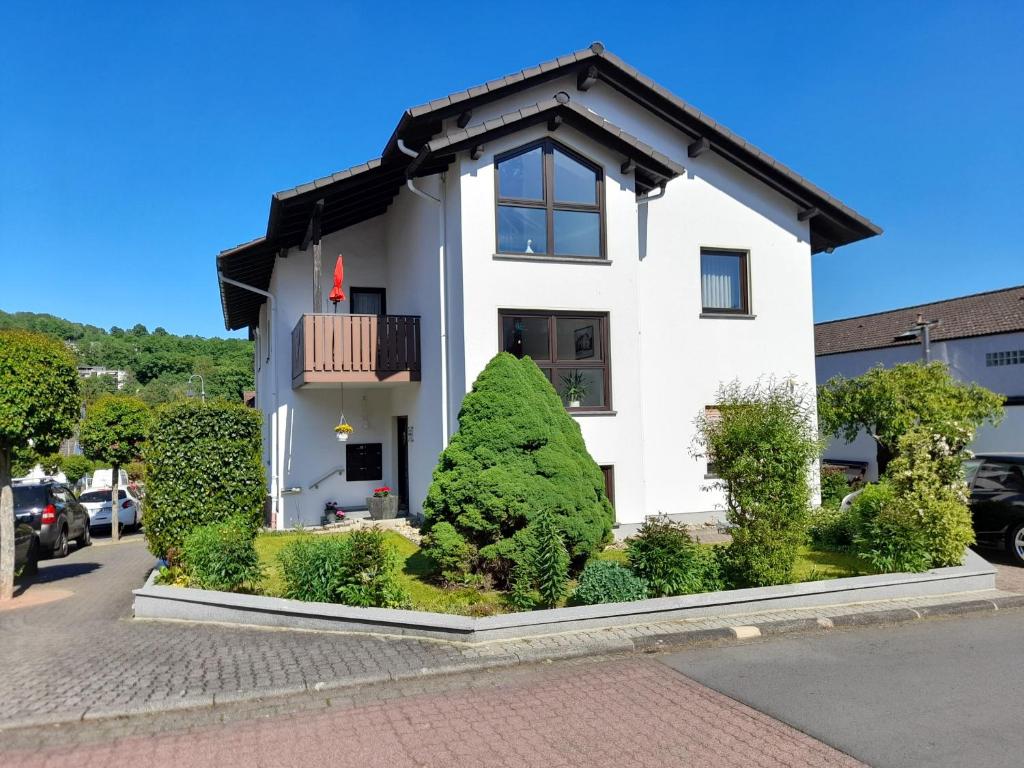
97	502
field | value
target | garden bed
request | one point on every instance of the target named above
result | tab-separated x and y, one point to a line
437	617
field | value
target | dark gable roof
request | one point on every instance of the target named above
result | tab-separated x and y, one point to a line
980	314
366	190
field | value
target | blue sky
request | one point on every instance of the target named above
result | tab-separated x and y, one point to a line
138	139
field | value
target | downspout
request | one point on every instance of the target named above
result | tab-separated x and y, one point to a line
442	282
275	481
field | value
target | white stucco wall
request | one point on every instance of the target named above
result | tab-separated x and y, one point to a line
966	361
667	360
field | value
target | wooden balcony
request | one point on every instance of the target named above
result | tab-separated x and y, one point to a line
352	349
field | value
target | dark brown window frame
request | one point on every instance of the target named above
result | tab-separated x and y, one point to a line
744	256
554	364
548	204
608	470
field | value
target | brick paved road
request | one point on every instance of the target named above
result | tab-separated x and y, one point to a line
84	654
619	712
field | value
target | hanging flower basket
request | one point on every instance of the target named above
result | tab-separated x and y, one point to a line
342	431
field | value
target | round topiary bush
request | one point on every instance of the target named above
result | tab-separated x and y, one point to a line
202	466
517	452
603	581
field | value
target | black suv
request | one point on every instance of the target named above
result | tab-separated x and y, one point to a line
997	501
53	512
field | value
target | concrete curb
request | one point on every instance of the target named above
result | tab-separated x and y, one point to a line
154	602
658	643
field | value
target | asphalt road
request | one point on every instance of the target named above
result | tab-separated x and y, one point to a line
937	693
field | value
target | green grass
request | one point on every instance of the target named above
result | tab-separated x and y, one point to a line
424	595
811	565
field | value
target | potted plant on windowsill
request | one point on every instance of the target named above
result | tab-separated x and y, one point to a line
342	431
383	505
574	388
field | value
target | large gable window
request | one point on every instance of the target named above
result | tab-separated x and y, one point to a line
549	202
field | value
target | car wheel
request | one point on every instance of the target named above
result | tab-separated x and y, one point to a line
62	547
85	539
1015	543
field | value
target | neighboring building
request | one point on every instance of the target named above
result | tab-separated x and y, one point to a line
980	337
576	212
88	372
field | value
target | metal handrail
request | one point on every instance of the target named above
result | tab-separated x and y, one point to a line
335	471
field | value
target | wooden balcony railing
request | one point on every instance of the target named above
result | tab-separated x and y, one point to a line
340	349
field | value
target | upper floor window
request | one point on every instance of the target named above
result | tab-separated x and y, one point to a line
723	281
571	349
549	202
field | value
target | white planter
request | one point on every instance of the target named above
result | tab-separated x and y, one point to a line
574	403
342	436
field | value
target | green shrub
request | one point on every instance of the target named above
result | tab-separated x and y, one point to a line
889	536
203	466
517	452
360	568
762	443
607	582
451	555
834	487
550	560
76	467
222	556
831	528
665	556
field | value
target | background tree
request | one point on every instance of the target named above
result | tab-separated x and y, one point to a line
39	403
887	403
113	432
76	467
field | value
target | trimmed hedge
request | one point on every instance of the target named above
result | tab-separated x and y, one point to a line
203	466
517	452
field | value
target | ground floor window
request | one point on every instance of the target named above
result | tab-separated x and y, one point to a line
608	471
571	349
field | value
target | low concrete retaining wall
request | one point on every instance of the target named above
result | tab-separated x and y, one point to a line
157	602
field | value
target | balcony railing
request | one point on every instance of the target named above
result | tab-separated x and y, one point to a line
341	349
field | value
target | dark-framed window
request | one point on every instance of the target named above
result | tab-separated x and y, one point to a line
571	349
368	301
549	201
724	281
608	470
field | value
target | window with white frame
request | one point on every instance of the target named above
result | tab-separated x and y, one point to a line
1008	357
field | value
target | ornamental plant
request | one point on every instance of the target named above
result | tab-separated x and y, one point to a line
344	428
763	444
381	492
603	581
222	556
888	402
517	452
668	559
114	429
39	407
203	466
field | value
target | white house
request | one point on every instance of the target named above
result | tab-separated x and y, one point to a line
980	337
576	212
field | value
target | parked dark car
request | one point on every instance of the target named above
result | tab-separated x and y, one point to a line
54	514
26	548
997	501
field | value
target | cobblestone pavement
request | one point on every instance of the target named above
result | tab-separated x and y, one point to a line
85	656
617	712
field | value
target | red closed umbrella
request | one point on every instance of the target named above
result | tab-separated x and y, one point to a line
339	275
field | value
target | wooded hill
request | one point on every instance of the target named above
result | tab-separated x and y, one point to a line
158	363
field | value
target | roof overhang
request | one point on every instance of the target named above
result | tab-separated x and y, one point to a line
364	191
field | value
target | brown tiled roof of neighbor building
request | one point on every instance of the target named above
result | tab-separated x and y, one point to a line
980	314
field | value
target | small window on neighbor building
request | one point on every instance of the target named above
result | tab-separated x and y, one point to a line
723	282
1009	357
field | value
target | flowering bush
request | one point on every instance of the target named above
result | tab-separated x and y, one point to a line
381	492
